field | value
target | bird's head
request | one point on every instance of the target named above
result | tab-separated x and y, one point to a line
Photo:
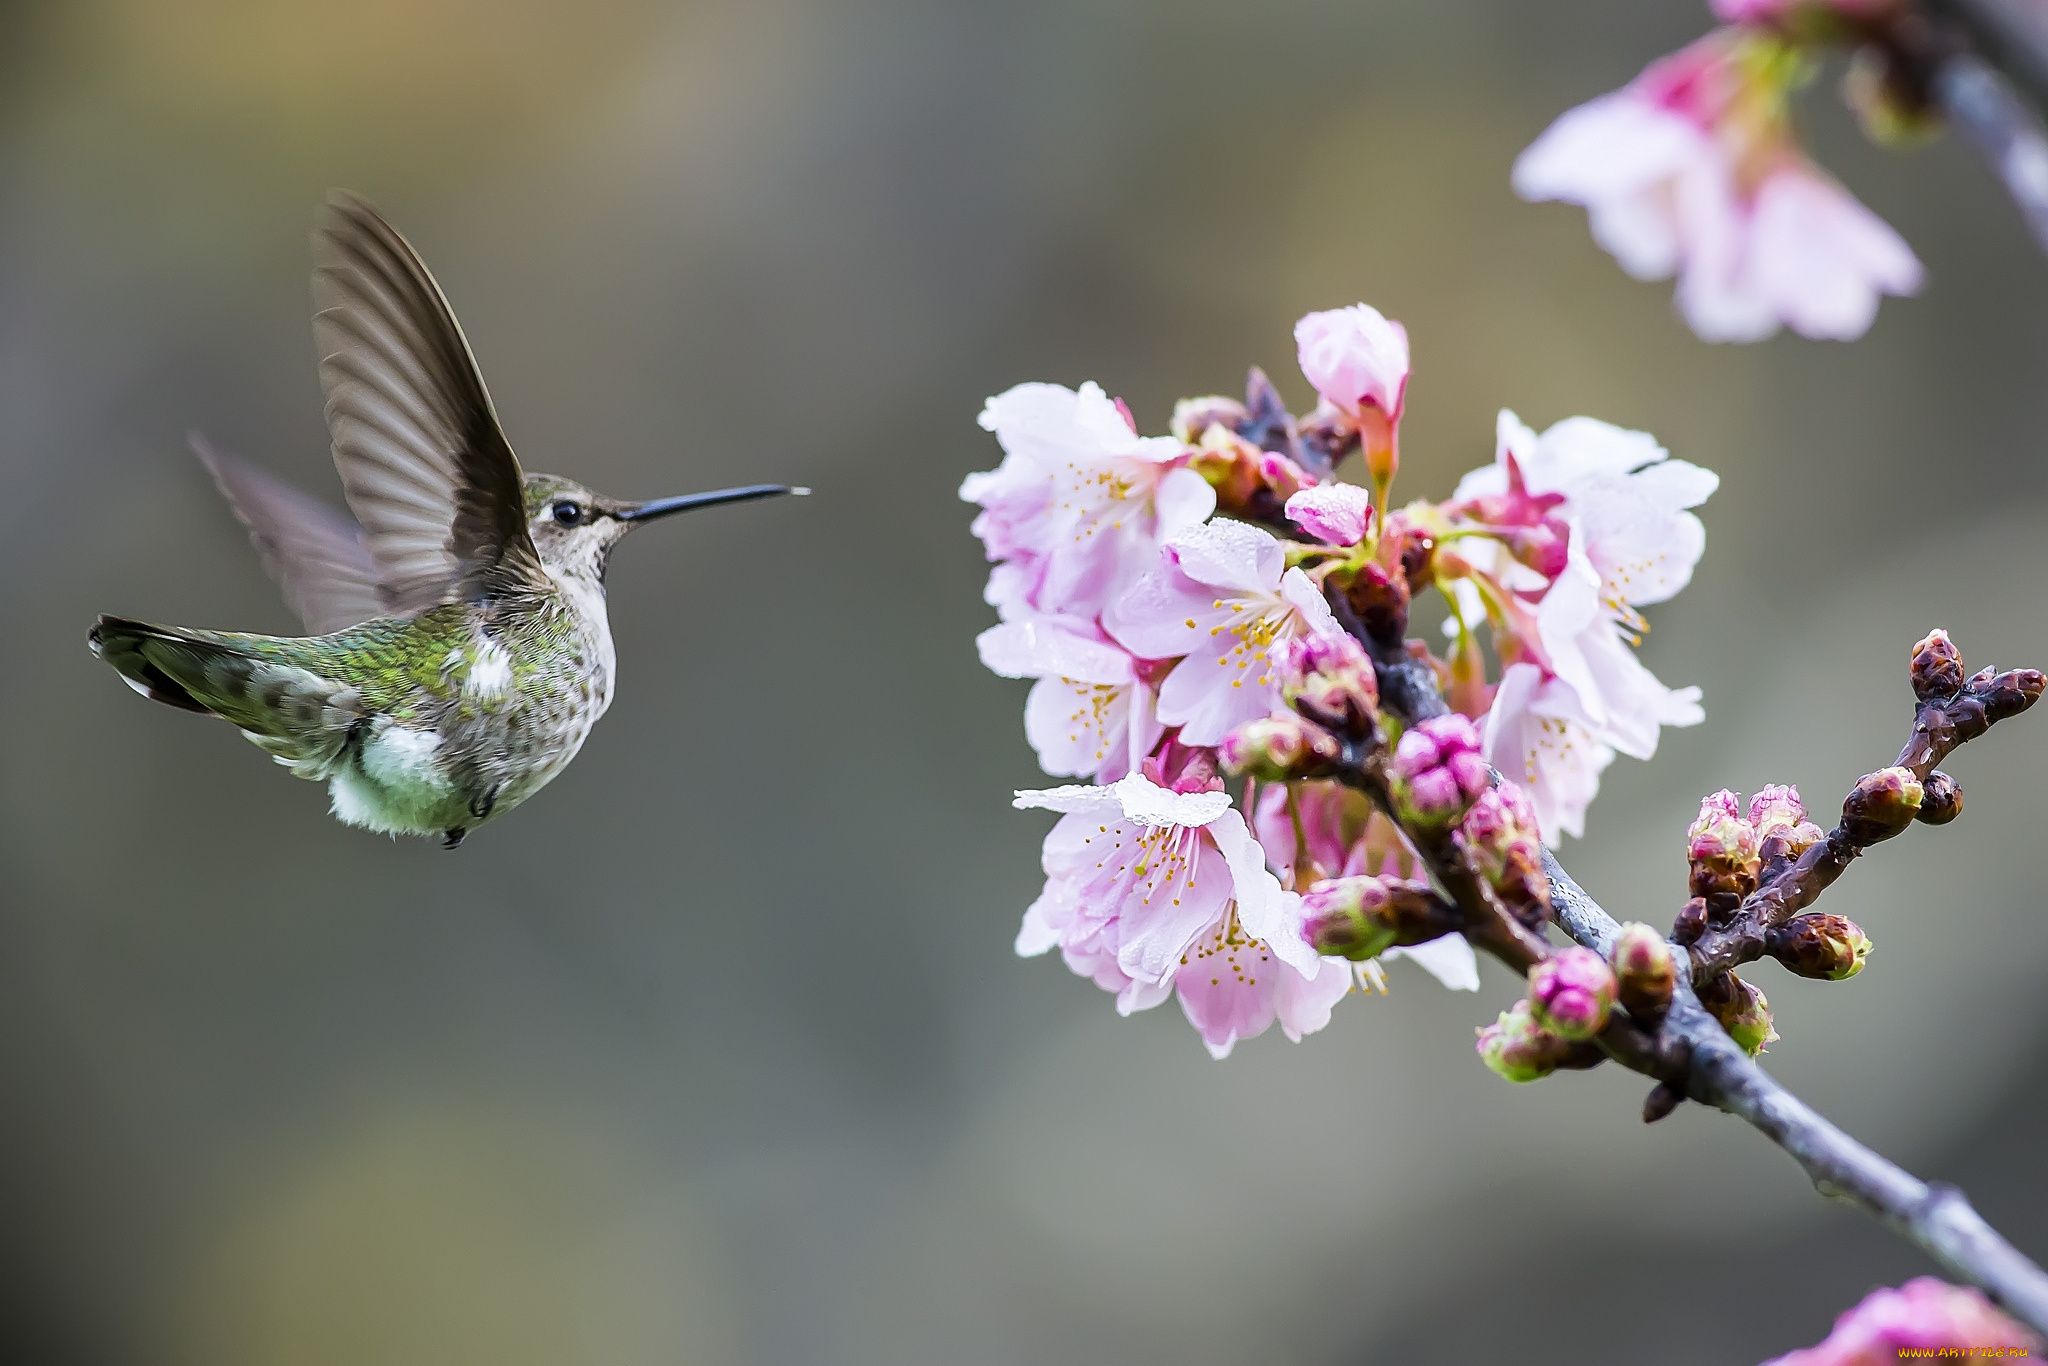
574	529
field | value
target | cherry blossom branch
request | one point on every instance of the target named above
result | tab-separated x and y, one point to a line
1964	58
2010	34
1693	1057
1937	1219
2006	131
1948	715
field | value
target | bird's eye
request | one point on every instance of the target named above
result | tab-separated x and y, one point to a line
568	514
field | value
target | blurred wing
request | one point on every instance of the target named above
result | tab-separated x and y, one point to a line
315	553
422	459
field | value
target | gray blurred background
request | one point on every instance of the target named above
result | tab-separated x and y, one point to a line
716	1052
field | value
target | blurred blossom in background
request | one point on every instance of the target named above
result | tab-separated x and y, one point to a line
717	1051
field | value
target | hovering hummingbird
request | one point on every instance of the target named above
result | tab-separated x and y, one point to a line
460	650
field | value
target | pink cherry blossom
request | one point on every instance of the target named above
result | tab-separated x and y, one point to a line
1538	739
1766	11
1150	891
1355	358
1340	514
1632	541
1223	597
1922	1317
1091	711
1692	170
1081	501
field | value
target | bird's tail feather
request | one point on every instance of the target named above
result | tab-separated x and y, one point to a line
299	717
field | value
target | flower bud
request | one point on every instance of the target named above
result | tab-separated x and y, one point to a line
1827	948
1438	771
1891	105
1662	1100
2012	692
1334	513
1518	1048
1937	668
1645	972
1941	799
1742	1011
1881	805
1330	680
1194	416
1280	747
1327	435
1500	841
1362	917
1774	807
1721	847
1571	993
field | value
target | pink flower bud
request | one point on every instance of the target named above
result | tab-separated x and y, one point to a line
1518	1048
1361	917
1826	947
1722	847
1279	748
1502	843
1881	805
1645	971
1923	1317
1438	770
1347	917
1776	806
1355	358
1330	679
1571	993
1340	514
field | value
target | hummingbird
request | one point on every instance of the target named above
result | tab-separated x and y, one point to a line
458	649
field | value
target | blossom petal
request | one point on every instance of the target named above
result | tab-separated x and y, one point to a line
1045	645
1229	555
1339	514
1450	960
1144	802
1302	1001
1185	500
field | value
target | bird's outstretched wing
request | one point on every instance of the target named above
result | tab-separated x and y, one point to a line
422	458
315	552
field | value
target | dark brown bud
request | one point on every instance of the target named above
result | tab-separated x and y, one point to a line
1418	557
1937	669
1827	948
1662	1100
1267	424
2012	692
1881	805
1327	435
1941	799
1381	601
1691	922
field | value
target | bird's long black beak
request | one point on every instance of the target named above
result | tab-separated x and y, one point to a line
663	507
